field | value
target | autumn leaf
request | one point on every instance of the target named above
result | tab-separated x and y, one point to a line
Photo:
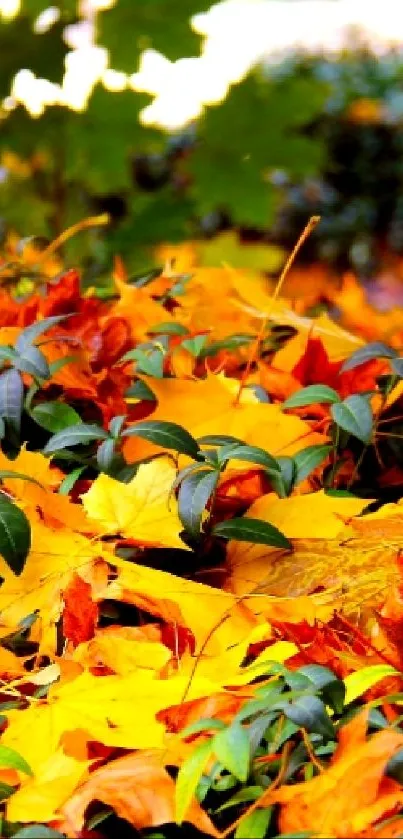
139	790
207	407
143	510
352	794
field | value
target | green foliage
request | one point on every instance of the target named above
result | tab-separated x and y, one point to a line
129	28
230	168
15	535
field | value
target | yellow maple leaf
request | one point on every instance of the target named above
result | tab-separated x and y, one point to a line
53	558
143	510
214	617
208	407
351	572
40	797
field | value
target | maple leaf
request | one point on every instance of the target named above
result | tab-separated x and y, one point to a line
348	571
349	796
39	798
139	789
54	557
207	407
80	613
143	510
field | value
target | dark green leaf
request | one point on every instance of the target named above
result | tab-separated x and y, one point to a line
169	435
140	391
310	713
354	415
194	493
252	530
15	535
12	760
142	280
11	398
74	435
376	349
5	789
251	454
9	473
397	366
31	360
284	481
219	440
307	460
38	831
116	424
233	342
244	794
232	748
28	335
310	395
106	455
149	363
55	416
394	767
69	481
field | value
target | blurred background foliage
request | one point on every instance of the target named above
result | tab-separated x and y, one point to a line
311	133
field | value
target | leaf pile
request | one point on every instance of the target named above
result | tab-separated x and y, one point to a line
201	609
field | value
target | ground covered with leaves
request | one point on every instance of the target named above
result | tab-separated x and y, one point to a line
201	609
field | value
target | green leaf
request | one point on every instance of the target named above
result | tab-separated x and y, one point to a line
231	746
205	724
38	831
188	778
15	535
252	530
106	455
194	493
284	482
169	435
309	712
7	354
195	345
255	825
308	459
9	473
55	416
240	797
116	424
168	328
140	391
394	767
12	760
32	361
376	349
74	435
5	791
233	342
149	363
219	440
28	335
354	415
311	395
69	481
21	47
251	454
397	367
129	28
11	398
362	680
